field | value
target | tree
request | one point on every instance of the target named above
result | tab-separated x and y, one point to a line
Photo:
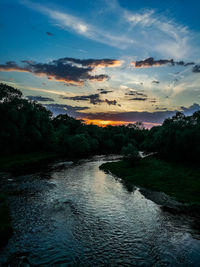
130	153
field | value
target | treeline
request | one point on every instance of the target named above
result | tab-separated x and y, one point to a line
27	126
177	139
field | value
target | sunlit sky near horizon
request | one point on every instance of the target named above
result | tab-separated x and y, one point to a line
104	60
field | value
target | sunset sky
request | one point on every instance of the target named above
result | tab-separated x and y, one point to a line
104	61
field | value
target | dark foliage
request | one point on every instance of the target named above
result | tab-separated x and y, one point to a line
27	126
177	139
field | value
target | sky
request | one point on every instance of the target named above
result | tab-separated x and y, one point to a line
105	61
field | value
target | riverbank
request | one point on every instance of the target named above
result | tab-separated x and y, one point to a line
23	163
176	180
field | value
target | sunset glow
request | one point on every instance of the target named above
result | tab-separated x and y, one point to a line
104	123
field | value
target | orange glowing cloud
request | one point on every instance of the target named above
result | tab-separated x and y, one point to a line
62	70
93	63
50	77
68	81
13	69
104	63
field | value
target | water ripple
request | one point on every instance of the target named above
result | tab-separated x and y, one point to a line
79	216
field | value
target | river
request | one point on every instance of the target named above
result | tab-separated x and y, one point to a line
76	215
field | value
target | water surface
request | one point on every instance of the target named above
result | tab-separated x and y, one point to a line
79	216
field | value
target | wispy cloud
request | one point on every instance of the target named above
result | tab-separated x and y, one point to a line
141	30
171	38
156	32
75	24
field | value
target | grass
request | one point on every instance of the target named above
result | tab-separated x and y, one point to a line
5	222
179	181
24	162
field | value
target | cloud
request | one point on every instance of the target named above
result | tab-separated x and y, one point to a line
191	109
49	34
155	82
145	18
72	111
104	91
73	23
93	99
60	70
138	99
93	63
40	98
136	30
144	116
139	96
111	102
189	64
150	62
173	38
135	93
196	69
160	108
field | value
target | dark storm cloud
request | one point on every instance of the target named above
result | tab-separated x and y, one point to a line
93	99
104	91
150	62
40	98
61	70
196	69
57	109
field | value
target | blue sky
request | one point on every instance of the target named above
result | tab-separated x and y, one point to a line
105	59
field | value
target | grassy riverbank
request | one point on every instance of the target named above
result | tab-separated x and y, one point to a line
179	181
5	222
25	162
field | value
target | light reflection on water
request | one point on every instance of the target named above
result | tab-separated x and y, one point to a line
81	216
